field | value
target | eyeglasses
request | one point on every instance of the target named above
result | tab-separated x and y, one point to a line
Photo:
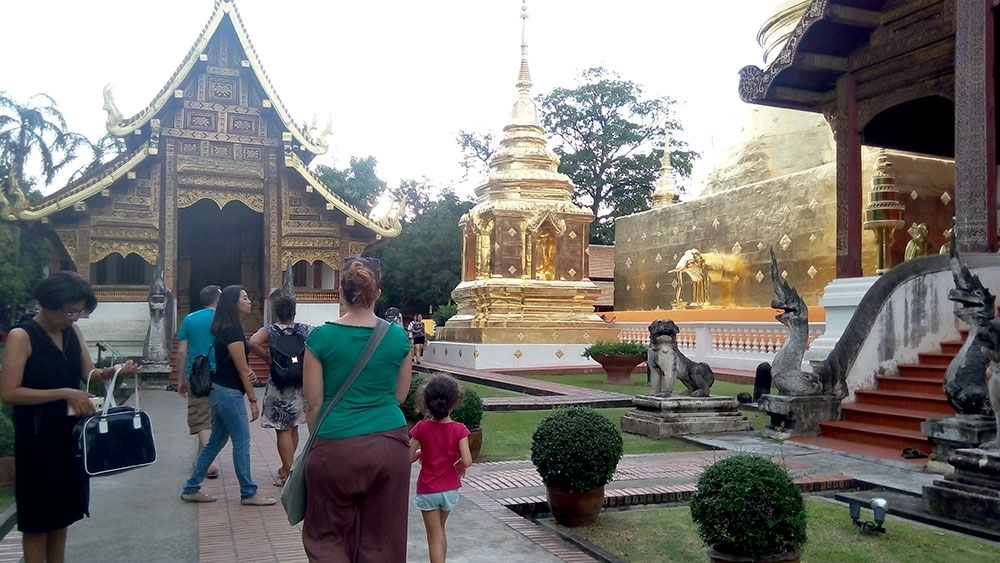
72	314
370	262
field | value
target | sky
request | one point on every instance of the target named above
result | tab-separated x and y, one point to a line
398	78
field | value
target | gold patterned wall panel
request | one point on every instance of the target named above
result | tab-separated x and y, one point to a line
357	248
734	229
102	248
68	238
189	196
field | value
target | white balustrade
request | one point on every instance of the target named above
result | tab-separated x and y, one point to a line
725	345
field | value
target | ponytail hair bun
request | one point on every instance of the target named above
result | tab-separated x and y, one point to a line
359	284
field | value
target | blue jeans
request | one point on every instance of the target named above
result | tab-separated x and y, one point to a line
229	419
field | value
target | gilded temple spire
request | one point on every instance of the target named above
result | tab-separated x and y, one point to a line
524	77
665	192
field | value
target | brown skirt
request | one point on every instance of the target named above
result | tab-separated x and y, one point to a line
357	498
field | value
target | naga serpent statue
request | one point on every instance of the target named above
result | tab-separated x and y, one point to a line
964	380
786	369
990	337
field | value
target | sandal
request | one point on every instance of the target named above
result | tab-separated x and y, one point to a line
280	481
212	475
911	453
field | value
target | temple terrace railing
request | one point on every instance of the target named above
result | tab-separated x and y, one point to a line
724	345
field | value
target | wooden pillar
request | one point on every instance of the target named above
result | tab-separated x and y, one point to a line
848	138
975	119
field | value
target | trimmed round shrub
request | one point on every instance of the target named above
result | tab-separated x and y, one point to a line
576	449
603	348
443	313
749	505
470	412
409	406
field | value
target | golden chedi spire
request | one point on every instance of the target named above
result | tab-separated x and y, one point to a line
525	255
523	167
665	192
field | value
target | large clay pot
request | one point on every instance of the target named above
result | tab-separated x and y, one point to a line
786	557
475	441
575	509
618	368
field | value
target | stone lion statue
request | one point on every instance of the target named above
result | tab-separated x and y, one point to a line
667	364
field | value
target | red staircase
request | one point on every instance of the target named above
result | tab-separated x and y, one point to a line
885	420
258	365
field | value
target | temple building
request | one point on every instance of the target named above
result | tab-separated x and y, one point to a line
525	258
778	186
215	181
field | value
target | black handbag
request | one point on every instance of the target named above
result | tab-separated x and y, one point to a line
114	439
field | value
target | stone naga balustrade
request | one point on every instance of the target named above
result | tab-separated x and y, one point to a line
725	345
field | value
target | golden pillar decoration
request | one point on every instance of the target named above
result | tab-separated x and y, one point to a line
884	213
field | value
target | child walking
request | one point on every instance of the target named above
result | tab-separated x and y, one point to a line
442	446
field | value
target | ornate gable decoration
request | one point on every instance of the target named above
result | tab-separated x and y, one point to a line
116	125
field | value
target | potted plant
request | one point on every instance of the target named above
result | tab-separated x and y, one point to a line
747	508
617	358
470	413
576	451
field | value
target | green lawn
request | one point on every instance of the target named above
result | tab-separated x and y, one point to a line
641	536
507	435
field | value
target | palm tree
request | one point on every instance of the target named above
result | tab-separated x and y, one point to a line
101	151
35	129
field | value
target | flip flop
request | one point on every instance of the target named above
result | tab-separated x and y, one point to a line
280	481
212	475
911	453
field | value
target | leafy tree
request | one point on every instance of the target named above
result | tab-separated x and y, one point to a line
30	131
423	264
477	148
608	138
23	259
359	184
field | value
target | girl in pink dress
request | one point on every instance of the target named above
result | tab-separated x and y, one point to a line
442	446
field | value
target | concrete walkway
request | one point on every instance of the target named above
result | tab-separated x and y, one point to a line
137	516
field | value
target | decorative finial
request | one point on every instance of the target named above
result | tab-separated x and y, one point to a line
524	77
665	193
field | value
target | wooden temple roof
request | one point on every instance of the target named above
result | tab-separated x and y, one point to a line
224	10
804	74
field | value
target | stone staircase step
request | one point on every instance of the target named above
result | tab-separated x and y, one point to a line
910	384
261	367
935	358
905	400
857	448
907	419
892	438
951	346
922	371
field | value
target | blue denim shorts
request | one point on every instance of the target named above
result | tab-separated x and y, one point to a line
437	501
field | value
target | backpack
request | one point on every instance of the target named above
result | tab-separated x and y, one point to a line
201	375
288	350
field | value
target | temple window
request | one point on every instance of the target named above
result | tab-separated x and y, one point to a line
116	270
317	275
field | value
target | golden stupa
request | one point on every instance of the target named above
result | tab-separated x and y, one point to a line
526	245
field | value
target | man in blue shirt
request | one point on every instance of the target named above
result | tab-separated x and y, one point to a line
194	338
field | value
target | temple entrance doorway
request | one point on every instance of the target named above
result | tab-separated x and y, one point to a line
220	247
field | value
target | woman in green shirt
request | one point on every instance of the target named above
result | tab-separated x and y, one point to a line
358	471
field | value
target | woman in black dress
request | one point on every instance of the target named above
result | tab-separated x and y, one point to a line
45	359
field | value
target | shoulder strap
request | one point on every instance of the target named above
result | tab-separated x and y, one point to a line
381	327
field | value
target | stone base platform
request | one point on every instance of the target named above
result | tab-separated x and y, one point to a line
506	356
972	493
798	415
963	431
665	417
153	376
